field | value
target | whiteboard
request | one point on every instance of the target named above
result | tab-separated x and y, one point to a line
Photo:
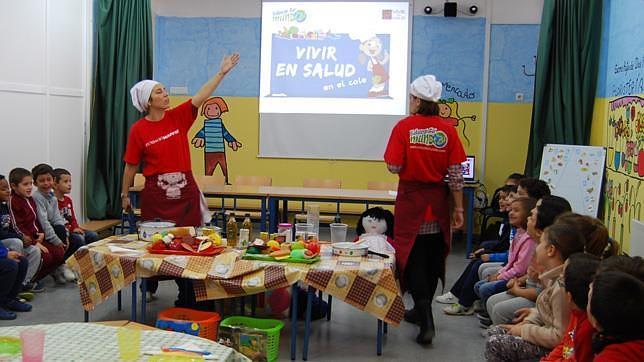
575	173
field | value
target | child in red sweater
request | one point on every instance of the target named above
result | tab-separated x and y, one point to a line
579	271
616	310
62	188
24	211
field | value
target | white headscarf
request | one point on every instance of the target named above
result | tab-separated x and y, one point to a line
140	93
426	87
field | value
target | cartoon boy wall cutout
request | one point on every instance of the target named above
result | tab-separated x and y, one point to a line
377	59
448	110
212	137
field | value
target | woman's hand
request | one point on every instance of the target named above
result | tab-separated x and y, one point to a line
457	218
228	63
125	203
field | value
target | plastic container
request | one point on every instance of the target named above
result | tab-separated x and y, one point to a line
188	321
338	232
272	327
313	217
286	229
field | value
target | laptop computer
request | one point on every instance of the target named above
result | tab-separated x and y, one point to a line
468	168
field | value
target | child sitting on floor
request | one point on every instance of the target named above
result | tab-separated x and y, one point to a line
539	329
579	271
12	238
62	188
25	213
51	221
13	268
519	256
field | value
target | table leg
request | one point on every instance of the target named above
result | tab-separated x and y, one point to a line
294	290
119	306
285	211
386	328
253	305
133	307
144	291
329	301
379	339
86	316
262	221
272	214
242	306
307	323
470	219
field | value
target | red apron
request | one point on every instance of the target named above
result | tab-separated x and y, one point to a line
172	196
411	204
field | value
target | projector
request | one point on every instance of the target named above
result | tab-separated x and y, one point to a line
449	9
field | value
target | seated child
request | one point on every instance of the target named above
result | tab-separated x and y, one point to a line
579	271
25	213
539	329
50	219
522	293
464	286
12	239
62	188
519	255
13	268
533	187
616	311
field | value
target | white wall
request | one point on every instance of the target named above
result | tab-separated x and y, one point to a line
45	86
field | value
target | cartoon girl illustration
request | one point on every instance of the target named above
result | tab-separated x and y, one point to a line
377	58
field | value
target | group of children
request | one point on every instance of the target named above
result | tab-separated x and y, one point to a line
38	232
552	287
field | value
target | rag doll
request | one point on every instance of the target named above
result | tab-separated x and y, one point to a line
376	229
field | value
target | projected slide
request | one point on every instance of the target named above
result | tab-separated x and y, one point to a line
334	57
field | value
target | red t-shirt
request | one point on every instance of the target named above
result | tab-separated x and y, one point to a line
424	146
576	344
66	208
162	145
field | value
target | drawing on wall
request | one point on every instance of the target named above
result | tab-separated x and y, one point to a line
622	203
575	172
448	110
214	137
626	135
533	72
625	164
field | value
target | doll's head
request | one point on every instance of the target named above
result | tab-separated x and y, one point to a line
376	220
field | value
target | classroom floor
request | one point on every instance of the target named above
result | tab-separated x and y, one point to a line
350	335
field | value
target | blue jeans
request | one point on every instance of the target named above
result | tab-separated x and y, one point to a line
485	289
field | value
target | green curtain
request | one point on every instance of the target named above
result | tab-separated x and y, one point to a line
566	76
123	57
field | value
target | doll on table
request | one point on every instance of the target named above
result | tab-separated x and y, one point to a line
376	228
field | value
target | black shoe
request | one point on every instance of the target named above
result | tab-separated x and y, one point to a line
426	322
411	316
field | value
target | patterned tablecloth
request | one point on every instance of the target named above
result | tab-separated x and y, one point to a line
93	342
367	283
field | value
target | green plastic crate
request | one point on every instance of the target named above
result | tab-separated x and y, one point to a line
271	327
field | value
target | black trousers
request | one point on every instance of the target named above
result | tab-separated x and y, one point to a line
426	265
12	274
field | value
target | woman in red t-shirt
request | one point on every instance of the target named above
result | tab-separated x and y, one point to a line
422	149
159	140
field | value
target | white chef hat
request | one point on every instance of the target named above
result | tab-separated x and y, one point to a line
140	93
426	87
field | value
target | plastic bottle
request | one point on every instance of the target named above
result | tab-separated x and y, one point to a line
313	217
231	231
248	224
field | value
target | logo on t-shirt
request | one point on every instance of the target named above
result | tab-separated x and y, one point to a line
428	137
162	138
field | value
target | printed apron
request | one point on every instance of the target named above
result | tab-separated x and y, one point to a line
411	204
174	196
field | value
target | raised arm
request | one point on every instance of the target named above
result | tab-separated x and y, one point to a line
209	87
